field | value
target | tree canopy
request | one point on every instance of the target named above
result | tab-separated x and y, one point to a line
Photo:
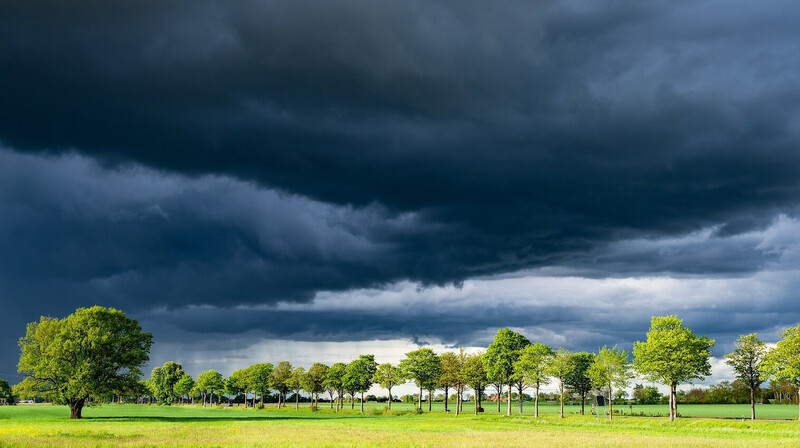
672	354
501	355
163	382
746	360
422	366
388	376
94	352
531	366
783	361
358	375
611	368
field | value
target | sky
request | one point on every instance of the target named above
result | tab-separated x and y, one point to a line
308	181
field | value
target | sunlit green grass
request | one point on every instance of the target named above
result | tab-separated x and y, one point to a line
130	425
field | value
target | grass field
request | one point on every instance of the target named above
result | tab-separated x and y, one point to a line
129	425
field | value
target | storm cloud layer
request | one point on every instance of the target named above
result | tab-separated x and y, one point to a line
199	163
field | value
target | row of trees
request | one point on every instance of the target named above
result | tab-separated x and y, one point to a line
96	353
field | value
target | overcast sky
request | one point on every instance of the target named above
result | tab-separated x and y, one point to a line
260	181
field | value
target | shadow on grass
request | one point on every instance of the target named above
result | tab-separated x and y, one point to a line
232	418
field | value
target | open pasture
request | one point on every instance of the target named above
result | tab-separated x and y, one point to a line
129	425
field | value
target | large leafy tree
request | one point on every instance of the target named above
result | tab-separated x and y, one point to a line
237	384
94	352
335	383
578	379
783	361
258	379
423	367
531	367
672	354
280	380
164	379
358	375
184	385
500	357
611	368
560	367
388	376
746	360
314	380
475	377
209	383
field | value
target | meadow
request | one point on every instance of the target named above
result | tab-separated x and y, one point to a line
194	426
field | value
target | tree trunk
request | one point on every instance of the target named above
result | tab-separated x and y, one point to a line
390	399
520	387
296	400
430	400
352	401
752	404
673	406
610	404
583	401
419	401
561	399
446	389
510	386
536	402
75	408
499	394
362	401
798	403
458	400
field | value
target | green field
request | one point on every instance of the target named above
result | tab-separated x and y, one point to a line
130	425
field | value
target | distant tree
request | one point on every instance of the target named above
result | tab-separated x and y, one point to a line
475	377
237	383
358	375
500	357
578	380
314	381
279	380
531	367
783	361
163	383
388	376
94	352
450	373
672	354
422	366
335	383
6	395
560	367
184	386
209	383
259	378
746	359
295	383
647	395
610	369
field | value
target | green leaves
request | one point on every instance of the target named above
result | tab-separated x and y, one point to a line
746	359
94	352
783	361
501	355
422	366
672	353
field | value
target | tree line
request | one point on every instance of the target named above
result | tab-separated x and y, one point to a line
96	353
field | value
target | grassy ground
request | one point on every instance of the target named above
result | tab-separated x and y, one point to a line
129	425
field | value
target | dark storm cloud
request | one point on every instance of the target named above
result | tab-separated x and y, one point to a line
257	152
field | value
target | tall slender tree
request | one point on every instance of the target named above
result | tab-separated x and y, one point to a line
422	366
578	379
532	367
672	354
500	357
314	381
560	367
746	360
475	377
388	376
358	375
335	382
259	380
184	386
295	383
610	369
280	380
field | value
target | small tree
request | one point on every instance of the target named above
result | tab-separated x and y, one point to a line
500	357
295	383
475	377
672	355
746	360
578	380
6	395
279	380
560	367
184	386
358	375
388	376
423	367
610	369
783	361
210	382
259	378
531	367
237	383
163	382
314	381
335	382
94	352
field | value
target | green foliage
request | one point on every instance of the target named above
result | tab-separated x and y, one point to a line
646	394
559	368
422	366
295	381
783	361
746	359
258	378
501	355
387	376
359	372
474	373
280	377
163	380
184	385
314	380
610	369
578	379
532	364
672	354
334	379
210	381
238	382
94	352
6	394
